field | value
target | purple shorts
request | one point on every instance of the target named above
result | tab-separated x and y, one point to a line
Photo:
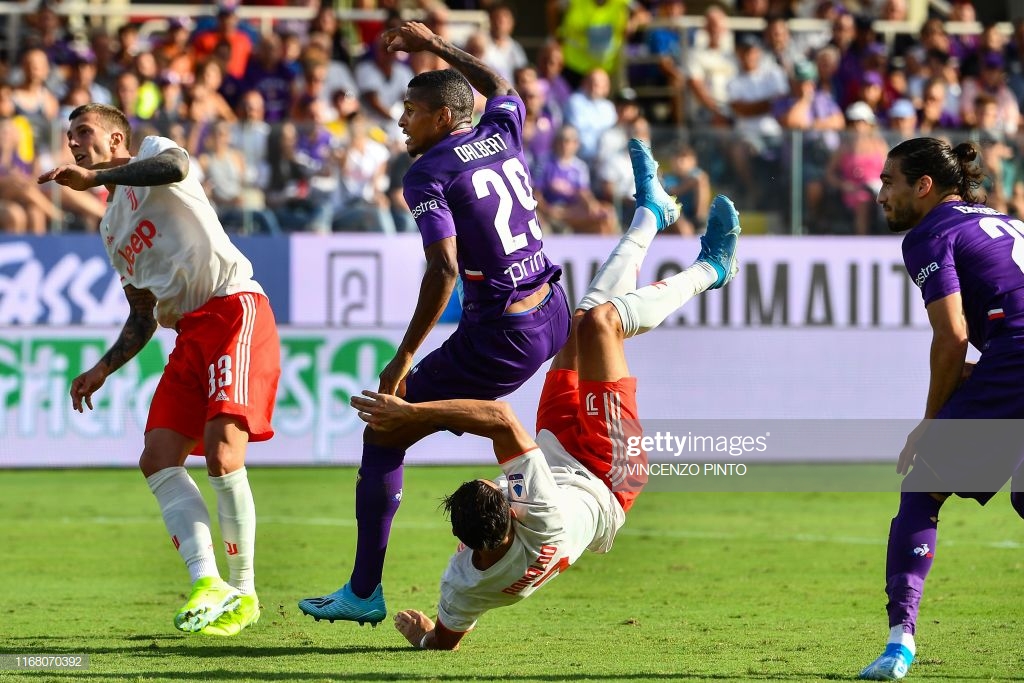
976	443
492	359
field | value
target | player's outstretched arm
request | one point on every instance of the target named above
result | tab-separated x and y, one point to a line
494	420
412	36
423	633
169	166
137	331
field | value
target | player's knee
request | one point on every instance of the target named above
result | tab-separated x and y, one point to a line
600	321
1017	501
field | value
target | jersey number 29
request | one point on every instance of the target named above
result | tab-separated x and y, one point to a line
516	182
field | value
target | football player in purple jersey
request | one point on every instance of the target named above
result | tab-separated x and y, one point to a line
968	261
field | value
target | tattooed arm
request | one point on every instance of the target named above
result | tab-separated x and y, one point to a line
137	330
413	36
169	166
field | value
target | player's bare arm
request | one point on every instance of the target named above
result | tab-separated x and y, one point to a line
169	166
413	36
421	631
435	290
948	369
494	420
137	331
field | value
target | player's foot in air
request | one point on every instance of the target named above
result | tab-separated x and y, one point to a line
649	192
211	597
232	623
345	605
718	243
891	666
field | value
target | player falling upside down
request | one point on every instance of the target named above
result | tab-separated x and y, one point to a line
179	269
965	258
568	489
472	201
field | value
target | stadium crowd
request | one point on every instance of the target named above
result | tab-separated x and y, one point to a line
296	128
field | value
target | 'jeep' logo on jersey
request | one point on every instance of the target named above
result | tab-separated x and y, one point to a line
423	207
141	240
925	272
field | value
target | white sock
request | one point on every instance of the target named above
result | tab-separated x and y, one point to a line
644	309
236	511
617	275
186	518
897	635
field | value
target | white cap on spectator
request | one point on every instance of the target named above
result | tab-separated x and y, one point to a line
860	111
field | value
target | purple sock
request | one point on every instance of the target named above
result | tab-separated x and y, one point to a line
911	551
378	494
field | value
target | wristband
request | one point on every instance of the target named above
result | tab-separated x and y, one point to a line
423	641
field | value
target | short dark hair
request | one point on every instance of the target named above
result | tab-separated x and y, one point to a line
480	515
112	118
445	88
952	169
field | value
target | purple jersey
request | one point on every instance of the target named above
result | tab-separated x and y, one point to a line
475	186
979	252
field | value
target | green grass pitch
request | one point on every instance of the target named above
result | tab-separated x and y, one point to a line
699	586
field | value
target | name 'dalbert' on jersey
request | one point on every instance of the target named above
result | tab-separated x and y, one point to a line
480	149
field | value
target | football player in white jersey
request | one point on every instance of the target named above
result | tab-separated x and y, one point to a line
568	489
180	270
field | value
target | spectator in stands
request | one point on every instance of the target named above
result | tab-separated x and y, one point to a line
992	82
664	45
709	69
550	63
288	194
826	61
613	169
593	33
48	32
563	192
21	199
817	115
227	32
211	75
400	213
856	166
382	80
872	91
540	125
779	45
998	154
1015	59
172	102
961	46
35	100
991	41
326	21
250	135
504	54
934	118
339	75
752	94
896	10
268	74
363	168
82	74
689	183
902	121
128	45
239	205
750	9
174	51
590	112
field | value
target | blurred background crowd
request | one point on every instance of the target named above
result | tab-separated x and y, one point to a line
290	110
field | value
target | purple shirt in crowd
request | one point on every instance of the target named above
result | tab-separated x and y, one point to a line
979	252
475	186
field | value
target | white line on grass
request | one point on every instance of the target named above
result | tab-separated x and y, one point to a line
349	522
